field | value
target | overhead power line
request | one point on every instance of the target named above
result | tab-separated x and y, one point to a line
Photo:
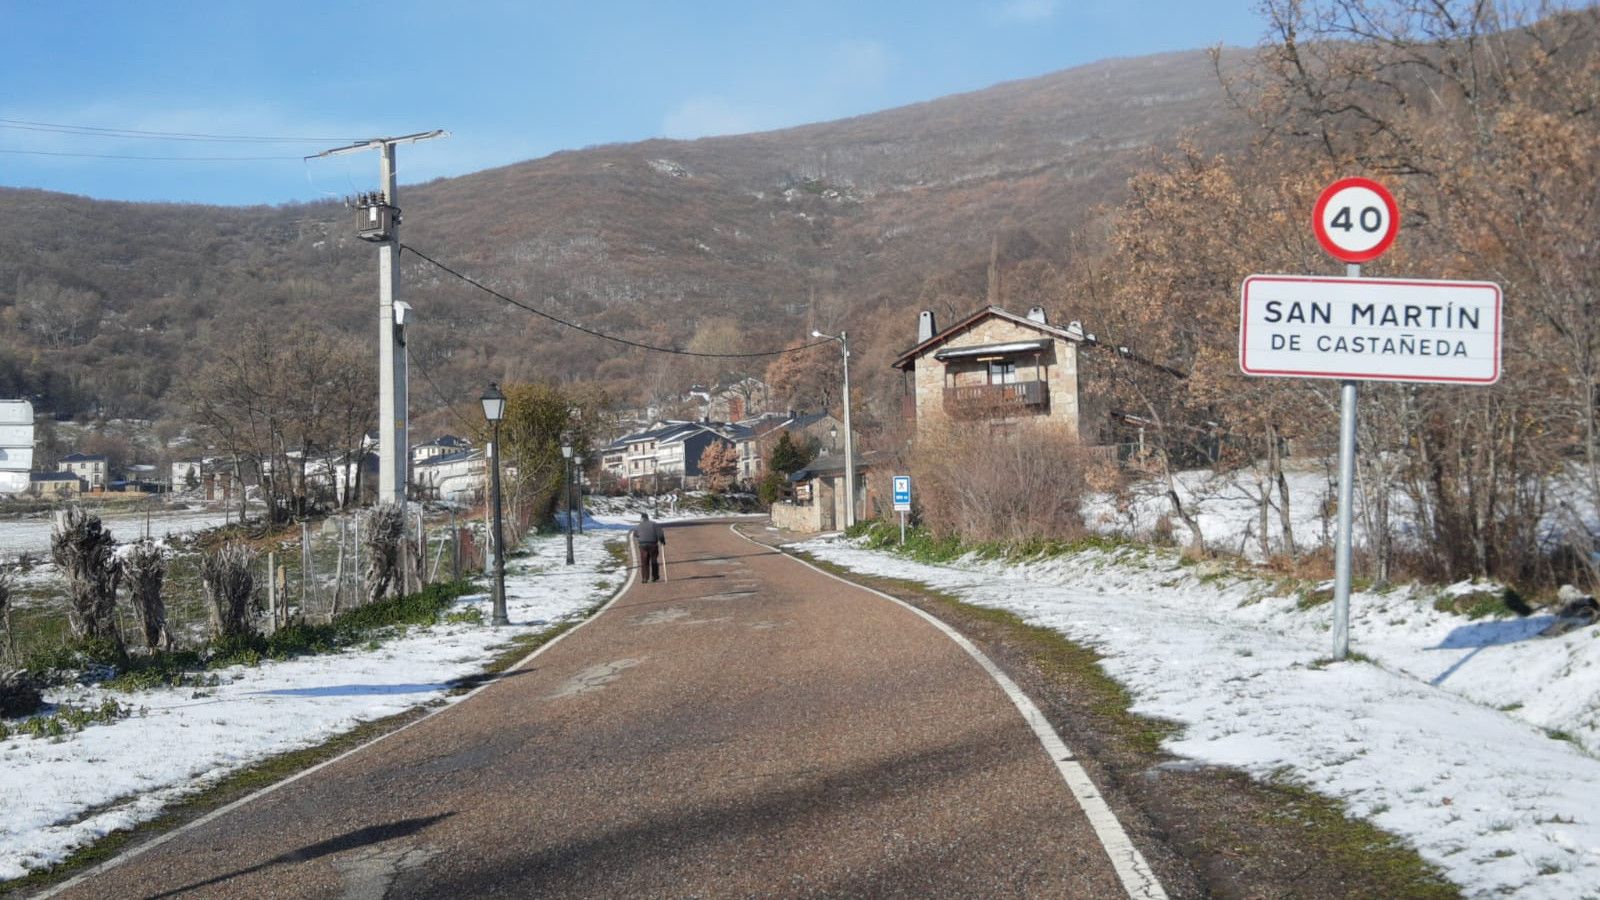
599	334
416	363
150	158
140	134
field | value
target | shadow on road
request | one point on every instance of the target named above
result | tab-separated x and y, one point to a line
361	837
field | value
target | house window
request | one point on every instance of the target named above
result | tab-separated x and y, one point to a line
1003	371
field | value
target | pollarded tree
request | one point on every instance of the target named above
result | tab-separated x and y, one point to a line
85	551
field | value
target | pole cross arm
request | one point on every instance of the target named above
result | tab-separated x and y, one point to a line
375	143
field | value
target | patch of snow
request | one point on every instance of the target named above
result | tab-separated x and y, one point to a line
181	740
1447	738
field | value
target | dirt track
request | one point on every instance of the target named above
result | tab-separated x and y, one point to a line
749	727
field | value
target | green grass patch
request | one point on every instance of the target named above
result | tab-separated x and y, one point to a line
923	546
1501	604
1383	858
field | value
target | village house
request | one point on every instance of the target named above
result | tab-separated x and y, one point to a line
819	430
998	367
443	445
456	477
666	456
87	466
816	500
55	485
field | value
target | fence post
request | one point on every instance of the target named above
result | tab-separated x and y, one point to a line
305	567
272	588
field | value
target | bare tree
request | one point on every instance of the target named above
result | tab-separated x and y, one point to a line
229	588
85	551
385	531
144	566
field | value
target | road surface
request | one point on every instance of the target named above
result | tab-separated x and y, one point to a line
749	727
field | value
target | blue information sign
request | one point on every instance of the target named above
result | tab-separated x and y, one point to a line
902	493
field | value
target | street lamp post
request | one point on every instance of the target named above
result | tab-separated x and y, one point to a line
577	487
494	409
849	435
566	454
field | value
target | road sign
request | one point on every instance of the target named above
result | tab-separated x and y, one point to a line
902	493
1356	219
1371	329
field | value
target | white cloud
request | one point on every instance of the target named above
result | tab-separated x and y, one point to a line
706	116
1026	11
857	64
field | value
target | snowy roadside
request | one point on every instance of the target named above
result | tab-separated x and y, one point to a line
59	795
1442	740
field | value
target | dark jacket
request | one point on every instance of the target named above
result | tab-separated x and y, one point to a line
648	532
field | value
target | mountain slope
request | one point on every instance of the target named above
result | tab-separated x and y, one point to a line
103	305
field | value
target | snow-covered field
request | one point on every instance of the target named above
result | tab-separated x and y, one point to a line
60	795
32	535
1451	737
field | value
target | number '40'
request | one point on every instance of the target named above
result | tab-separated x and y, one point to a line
1370	219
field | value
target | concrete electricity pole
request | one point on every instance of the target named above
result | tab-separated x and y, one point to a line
381	224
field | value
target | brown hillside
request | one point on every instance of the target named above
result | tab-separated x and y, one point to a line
103	305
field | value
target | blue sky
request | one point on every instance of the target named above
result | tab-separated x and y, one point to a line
511	81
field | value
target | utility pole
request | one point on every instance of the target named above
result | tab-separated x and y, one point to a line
381	225
849	435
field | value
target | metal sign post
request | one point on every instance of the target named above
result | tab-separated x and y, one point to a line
1354	329
902	502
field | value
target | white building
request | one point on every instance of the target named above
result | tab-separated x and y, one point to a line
16	445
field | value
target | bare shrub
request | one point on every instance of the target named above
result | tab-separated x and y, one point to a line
386	527
85	551
5	615
144	566
229	587
1013	483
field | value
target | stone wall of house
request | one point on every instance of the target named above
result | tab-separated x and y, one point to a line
805	518
1060	364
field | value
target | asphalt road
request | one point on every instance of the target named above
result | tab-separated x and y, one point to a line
749	727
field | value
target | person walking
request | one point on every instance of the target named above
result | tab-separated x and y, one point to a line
649	537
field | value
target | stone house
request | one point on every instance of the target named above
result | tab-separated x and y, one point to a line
998	367
54	484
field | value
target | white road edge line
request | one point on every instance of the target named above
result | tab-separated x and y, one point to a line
1137	878
140	850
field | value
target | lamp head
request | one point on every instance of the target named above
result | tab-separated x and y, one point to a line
494	403
566	451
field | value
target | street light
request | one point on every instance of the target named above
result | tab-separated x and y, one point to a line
849	435
494	409
566	454
577	486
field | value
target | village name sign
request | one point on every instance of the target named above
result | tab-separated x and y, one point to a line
1358	329
1370	329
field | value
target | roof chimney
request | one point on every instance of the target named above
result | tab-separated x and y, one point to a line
1037	315
925	326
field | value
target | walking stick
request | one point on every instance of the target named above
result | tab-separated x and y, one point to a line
661	548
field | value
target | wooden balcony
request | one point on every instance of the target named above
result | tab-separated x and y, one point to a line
999	399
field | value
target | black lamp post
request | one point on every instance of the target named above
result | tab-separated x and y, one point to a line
577	486
494	409
566	454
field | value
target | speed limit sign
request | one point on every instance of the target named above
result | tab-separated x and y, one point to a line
1356	219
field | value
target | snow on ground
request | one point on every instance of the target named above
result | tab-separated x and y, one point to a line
61	795
1441	739
32	536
